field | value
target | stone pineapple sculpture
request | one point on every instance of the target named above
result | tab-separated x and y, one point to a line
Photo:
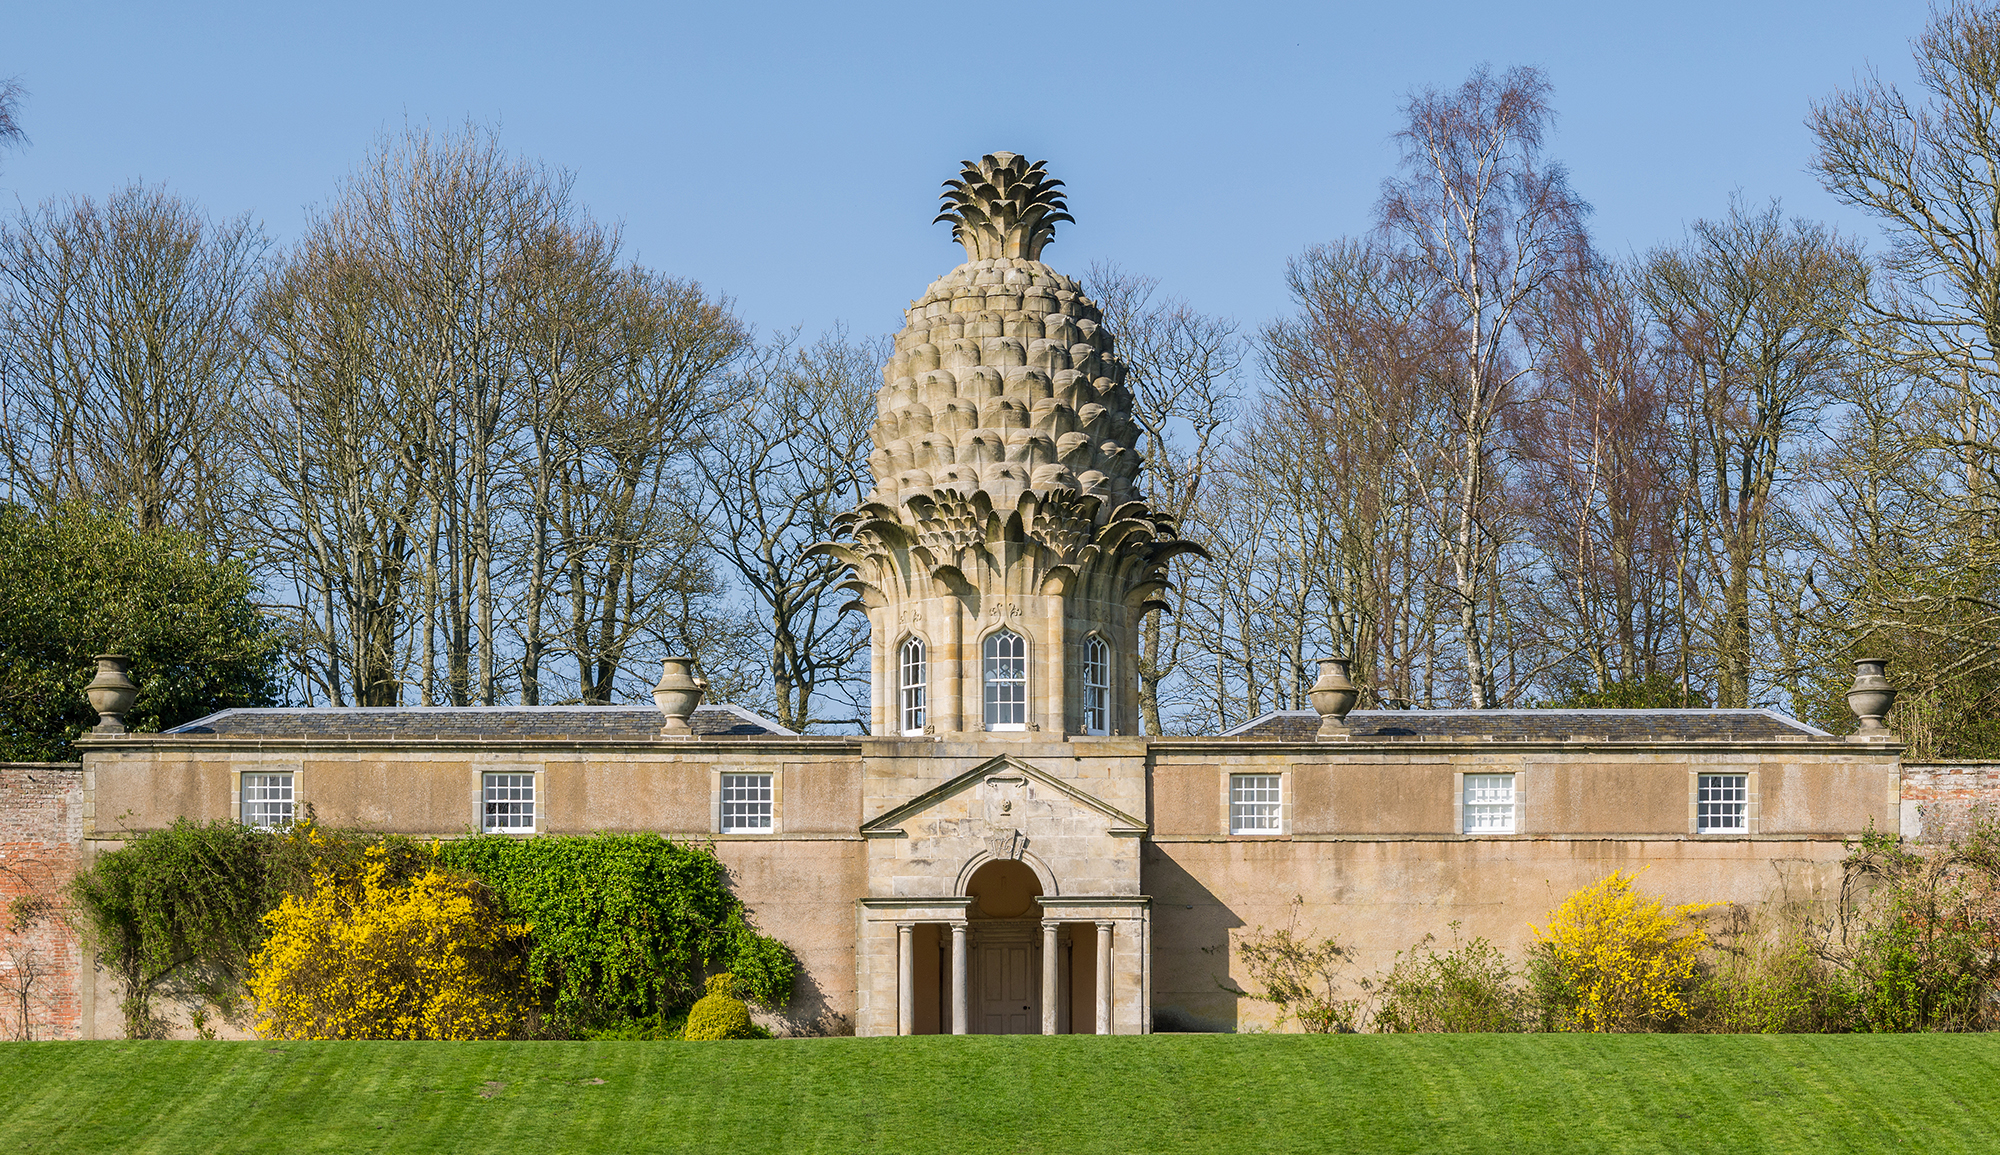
1005	466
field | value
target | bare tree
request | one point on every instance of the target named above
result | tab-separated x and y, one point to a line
1182	368
1354	375
339	442
1602	493
786	456
1754	314
633	564
1488	219
122	355
1927	167
11	93
474	435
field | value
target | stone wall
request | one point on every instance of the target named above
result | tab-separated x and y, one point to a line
41	833
873	832
1941	798
1370	852
1378	896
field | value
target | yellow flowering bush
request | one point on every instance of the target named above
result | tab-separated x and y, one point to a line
1612	959
365	955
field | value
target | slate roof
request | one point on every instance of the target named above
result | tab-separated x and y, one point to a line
590	723
1541	725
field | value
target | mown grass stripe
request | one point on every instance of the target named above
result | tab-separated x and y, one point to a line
1487	1093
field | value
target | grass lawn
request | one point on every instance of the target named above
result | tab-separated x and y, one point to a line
1515	1094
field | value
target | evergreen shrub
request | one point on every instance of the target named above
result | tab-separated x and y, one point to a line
719	1014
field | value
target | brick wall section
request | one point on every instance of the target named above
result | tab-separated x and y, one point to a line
41	840
1941	798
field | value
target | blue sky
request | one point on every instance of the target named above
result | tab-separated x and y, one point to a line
790	155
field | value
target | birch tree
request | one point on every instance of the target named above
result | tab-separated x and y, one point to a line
1488	219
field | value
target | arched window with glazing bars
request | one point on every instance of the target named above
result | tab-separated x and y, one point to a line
1096	686
1006	669
915	686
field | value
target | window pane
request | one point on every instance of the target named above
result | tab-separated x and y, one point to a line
1253	804
510	802
1722	803
1006	662
746	802
914	687
267	800
1489	804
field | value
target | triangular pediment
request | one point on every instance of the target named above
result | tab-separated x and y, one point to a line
998	769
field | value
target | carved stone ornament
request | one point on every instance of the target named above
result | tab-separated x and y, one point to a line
1333	695
1871	697
1005	457
1009	844
1004	796
1003	207
111	692
677	695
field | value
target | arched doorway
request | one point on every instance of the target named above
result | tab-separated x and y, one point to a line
1006	949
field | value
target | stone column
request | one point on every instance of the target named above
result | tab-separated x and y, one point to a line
951	671
882	717
959	1023
1103	978
1049	959
906	978
1055	694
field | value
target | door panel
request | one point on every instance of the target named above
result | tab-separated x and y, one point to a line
1009	995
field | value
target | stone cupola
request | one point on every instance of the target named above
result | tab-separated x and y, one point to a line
1006	552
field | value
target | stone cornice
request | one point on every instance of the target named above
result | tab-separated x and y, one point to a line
1313	750
727	744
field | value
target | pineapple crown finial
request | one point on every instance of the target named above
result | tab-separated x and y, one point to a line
1003	206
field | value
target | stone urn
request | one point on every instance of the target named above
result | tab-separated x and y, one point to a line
112	692
1333	696
1871	697
677	694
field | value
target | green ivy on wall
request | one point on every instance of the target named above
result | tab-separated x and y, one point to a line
624	926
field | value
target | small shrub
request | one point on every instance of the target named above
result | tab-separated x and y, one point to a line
1772	979
366	957
649	1029
1922	937
1300	974
1613	960
1466	989
719	1014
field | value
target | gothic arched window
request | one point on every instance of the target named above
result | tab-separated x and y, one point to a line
1096	686
915	677
1006	654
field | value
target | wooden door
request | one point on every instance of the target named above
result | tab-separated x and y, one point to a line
1009	990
